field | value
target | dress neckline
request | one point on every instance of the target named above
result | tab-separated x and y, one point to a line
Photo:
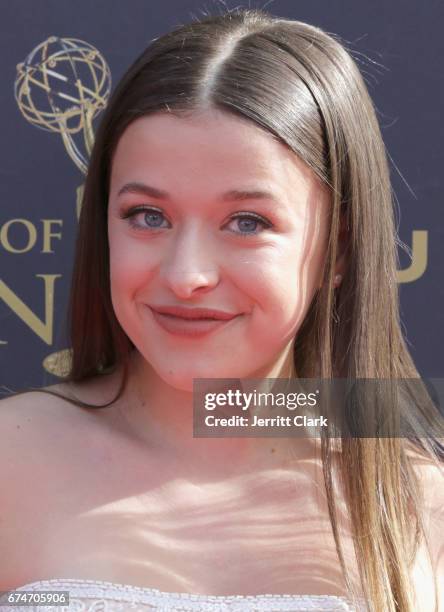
79	587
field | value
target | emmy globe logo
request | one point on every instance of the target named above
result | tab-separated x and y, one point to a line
62	85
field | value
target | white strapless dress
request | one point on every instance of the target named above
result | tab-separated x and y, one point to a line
101	596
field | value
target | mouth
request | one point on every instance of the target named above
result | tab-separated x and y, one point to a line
195	327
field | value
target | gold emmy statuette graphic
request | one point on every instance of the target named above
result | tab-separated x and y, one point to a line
62	85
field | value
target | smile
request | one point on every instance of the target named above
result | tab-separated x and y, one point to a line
180	326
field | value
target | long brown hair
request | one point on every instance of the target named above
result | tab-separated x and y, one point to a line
303	86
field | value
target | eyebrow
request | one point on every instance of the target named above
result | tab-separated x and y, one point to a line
228	196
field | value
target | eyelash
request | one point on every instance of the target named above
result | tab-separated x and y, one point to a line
133	212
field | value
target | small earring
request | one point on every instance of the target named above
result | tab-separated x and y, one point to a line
337	280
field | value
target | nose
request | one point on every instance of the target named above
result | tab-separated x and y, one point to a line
190	265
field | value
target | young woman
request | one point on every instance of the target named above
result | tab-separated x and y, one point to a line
237	222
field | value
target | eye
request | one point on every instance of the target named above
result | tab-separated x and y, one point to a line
150	218
247	222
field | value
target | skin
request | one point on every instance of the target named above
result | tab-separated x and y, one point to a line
155	514
192	253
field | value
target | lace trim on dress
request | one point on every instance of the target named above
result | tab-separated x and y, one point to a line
103	596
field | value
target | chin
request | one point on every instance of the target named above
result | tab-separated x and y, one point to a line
182	383
183	379
180	379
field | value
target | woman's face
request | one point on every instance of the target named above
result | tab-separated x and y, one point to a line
213	212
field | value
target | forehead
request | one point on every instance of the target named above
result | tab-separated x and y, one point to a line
211	148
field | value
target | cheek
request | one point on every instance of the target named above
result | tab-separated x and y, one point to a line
129	272
282	281
130	266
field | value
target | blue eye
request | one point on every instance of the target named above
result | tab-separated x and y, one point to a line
152	219
248	223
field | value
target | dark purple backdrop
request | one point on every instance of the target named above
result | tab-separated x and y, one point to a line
38	179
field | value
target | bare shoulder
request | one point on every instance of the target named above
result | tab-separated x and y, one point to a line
431	479
54	400
47	444
25	415
430	473
28	423
35	411
32	426
41	420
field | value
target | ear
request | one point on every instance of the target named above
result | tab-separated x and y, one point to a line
341	264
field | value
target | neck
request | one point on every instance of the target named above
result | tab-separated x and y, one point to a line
162	416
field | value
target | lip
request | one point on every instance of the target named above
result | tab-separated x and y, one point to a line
191	326
194	313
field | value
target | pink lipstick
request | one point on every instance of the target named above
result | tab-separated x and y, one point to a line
192	322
